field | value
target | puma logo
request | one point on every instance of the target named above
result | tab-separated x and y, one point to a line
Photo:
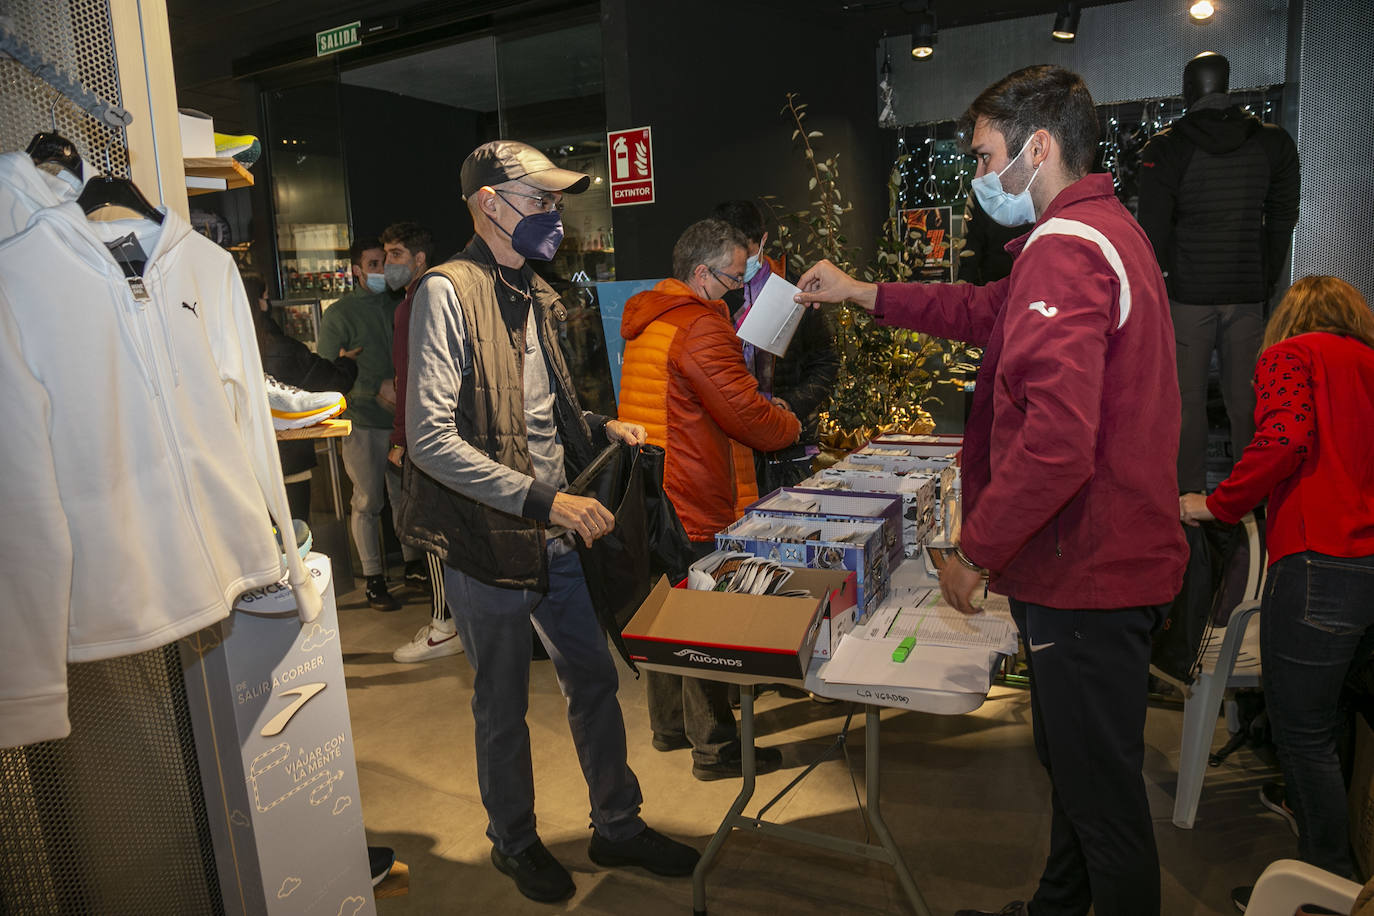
191	307
1049	311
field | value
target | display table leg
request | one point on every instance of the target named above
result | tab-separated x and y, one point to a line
335	488
732	818
873	778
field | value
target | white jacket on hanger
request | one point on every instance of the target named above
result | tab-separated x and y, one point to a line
138	462
25	189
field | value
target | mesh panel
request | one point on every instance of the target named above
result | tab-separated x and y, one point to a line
75	36
1335	222
110	820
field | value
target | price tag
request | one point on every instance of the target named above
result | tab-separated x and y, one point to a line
139	290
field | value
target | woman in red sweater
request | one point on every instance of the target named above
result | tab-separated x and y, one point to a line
1313	457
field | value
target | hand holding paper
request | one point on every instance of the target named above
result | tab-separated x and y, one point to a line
773	318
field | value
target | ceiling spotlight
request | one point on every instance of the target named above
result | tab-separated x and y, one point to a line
1202	10
1066	22
923	36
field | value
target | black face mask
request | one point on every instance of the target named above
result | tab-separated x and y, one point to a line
734	300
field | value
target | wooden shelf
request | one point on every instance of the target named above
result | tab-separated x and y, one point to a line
230	170
329	429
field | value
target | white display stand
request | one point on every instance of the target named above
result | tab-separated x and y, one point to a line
270	713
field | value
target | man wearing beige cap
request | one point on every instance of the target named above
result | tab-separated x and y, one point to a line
495	431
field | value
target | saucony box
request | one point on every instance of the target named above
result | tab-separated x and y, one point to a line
738	637
823	505
857	546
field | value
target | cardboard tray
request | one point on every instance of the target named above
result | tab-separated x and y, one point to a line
728	636
841	505
867	556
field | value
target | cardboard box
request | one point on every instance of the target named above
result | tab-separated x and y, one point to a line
844	505
863	550
729	636
919	491
197	134
927	446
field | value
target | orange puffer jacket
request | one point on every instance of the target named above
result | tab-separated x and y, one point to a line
684	380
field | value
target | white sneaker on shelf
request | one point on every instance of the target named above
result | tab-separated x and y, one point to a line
295	408
433	641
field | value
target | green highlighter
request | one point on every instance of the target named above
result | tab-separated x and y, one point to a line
903	649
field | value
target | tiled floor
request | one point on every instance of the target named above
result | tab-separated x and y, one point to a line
965	798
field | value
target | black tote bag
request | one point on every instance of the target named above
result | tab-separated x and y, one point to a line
648	540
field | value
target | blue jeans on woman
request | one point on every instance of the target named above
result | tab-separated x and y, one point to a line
1316	623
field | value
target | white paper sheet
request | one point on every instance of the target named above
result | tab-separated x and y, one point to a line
773	318
869	661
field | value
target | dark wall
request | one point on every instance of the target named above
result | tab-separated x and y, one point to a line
402	157
711	77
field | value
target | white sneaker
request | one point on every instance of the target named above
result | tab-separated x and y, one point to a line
295	408
433	641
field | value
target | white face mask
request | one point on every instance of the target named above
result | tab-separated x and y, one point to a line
1004	208
752	266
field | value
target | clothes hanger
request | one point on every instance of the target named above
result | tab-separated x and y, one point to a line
108	191
50	146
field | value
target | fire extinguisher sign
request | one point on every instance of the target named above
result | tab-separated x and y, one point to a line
631	155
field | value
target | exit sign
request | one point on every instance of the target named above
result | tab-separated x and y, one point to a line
339	38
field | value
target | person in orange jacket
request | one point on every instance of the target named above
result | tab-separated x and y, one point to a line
685	381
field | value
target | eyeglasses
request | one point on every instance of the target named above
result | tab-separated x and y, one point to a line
729	281
547	202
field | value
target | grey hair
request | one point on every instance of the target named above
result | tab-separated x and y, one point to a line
709	241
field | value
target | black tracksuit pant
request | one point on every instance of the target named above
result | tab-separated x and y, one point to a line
1089	688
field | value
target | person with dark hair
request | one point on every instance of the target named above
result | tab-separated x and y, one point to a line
360	321
1312	457
1219	200
799	381
290	361
409	253
495	432
684	380
1069	496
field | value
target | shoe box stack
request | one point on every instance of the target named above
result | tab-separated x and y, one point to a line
924	473
829	543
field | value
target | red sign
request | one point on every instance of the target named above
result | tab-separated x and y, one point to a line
632	166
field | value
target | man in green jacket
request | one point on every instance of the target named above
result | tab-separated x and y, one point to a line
361	321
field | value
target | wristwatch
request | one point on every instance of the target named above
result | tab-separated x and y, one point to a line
963	558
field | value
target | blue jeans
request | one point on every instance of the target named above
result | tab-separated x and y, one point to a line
494	624
1316	622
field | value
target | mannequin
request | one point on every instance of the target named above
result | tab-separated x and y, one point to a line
1207	74
1219	195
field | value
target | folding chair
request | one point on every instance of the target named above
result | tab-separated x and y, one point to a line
1288	884
1229	658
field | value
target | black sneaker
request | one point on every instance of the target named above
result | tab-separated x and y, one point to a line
379	860
670	742
647	849
536	873
1240	896
1015	908
766	760
417	576
377	595
1275	798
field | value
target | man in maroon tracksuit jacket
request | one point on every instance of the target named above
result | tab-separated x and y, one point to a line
1070	502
